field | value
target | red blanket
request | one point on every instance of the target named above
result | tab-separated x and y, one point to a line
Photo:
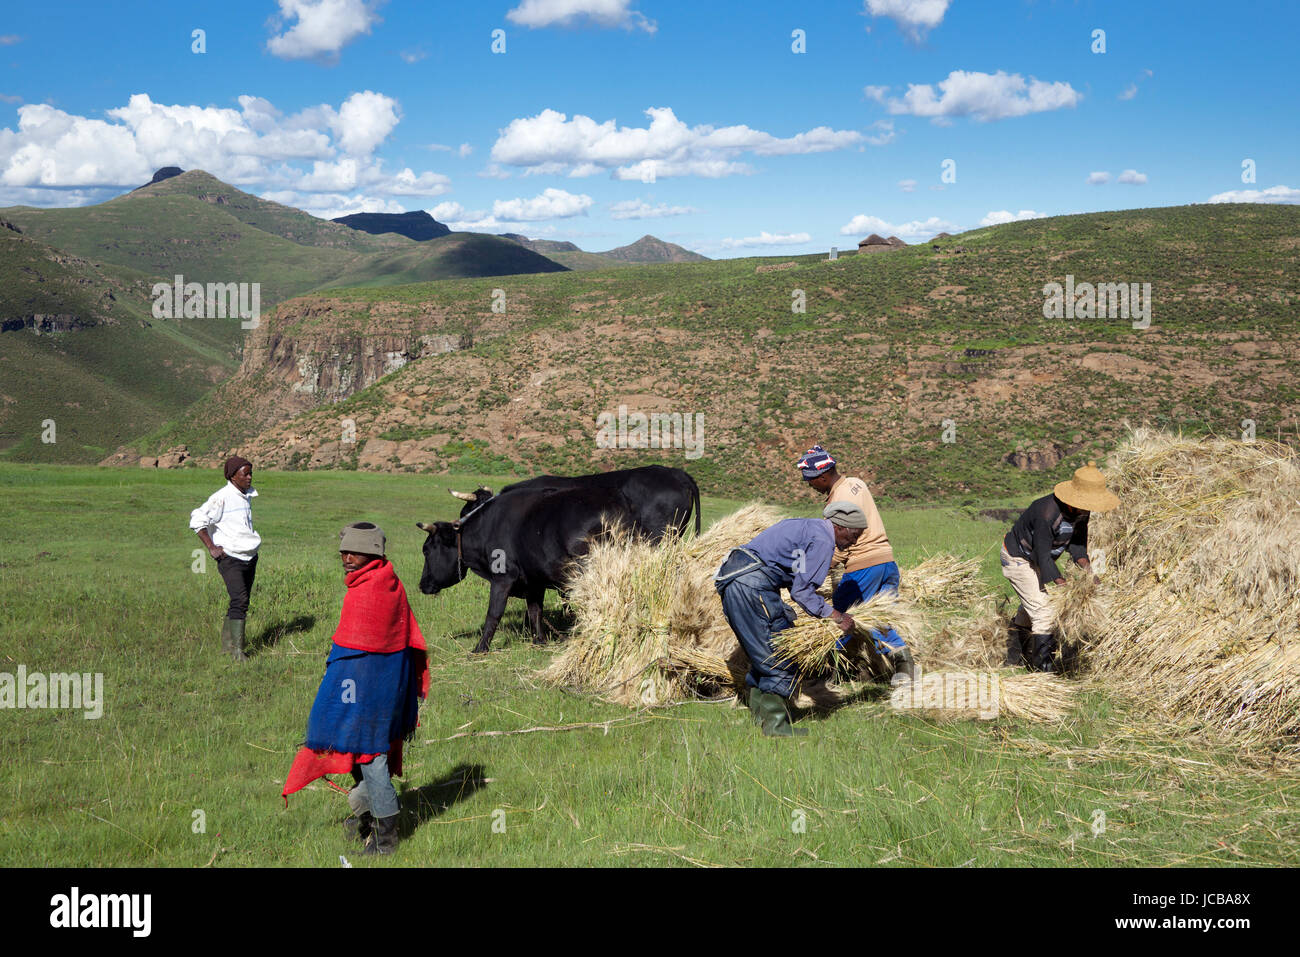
376	618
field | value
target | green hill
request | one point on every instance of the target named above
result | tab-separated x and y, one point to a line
195	225
79	347
113	370
933	372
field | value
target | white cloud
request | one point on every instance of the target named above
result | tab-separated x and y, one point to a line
639	209
464	150
9	39
764	238
493	171
413	56
667	147
998	217
914	17
364	121
1098	177
1132	177
982	96
916	229
907	185
567	13
324	27
254	145
334	205
1274	194
10	98
886	134
451	211
1132	89
550	204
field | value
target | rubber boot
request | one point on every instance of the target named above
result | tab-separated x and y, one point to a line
236	648
904	666
383	836
1044	653
776	717
358	827
1019	646
226	646
754	697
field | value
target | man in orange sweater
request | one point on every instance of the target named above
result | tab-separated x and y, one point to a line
869	565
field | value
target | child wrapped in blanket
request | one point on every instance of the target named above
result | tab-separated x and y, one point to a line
368	700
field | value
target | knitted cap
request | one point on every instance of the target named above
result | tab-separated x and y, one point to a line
814	462
362	538
845	515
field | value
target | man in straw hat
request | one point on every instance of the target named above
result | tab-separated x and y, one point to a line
795	554
1049	526
224	524
869	565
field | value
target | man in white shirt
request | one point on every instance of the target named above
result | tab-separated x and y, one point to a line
224	524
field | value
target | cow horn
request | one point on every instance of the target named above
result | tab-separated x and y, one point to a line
423	527
464	496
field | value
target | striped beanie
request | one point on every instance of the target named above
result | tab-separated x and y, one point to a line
814	462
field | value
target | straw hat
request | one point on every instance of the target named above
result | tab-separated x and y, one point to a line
1087	490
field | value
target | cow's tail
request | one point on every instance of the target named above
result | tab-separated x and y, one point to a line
695	501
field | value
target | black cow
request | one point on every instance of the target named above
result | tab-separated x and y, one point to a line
660	497
523	542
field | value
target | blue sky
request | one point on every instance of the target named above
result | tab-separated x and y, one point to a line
340	106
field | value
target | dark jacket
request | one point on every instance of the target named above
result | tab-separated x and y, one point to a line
1037	533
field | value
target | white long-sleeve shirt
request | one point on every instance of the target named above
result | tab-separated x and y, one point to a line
228	517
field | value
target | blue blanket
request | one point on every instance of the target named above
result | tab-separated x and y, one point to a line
366	702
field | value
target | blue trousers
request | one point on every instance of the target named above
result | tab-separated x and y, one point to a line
862	584
755	611
375	792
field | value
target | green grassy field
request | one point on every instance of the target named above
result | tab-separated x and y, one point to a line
96	576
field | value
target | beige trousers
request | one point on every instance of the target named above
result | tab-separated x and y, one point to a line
1034	614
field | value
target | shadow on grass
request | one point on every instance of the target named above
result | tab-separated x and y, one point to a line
272	633
556	624
437	797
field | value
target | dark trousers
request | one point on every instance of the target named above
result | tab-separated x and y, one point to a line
754	609
238	577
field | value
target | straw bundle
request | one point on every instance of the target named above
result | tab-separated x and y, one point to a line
810	643
944	580
1202	585
1081	607
977	639
952	695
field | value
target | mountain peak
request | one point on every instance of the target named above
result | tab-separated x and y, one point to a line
652	249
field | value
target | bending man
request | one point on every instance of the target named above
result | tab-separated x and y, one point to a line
795	554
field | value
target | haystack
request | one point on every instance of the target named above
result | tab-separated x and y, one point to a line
1198	612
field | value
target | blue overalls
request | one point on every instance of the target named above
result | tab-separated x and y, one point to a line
751	600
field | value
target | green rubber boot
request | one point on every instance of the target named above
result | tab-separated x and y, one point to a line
225	636
236	649
776	717
754	697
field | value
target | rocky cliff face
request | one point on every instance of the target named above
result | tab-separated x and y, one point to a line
41	322
317	370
